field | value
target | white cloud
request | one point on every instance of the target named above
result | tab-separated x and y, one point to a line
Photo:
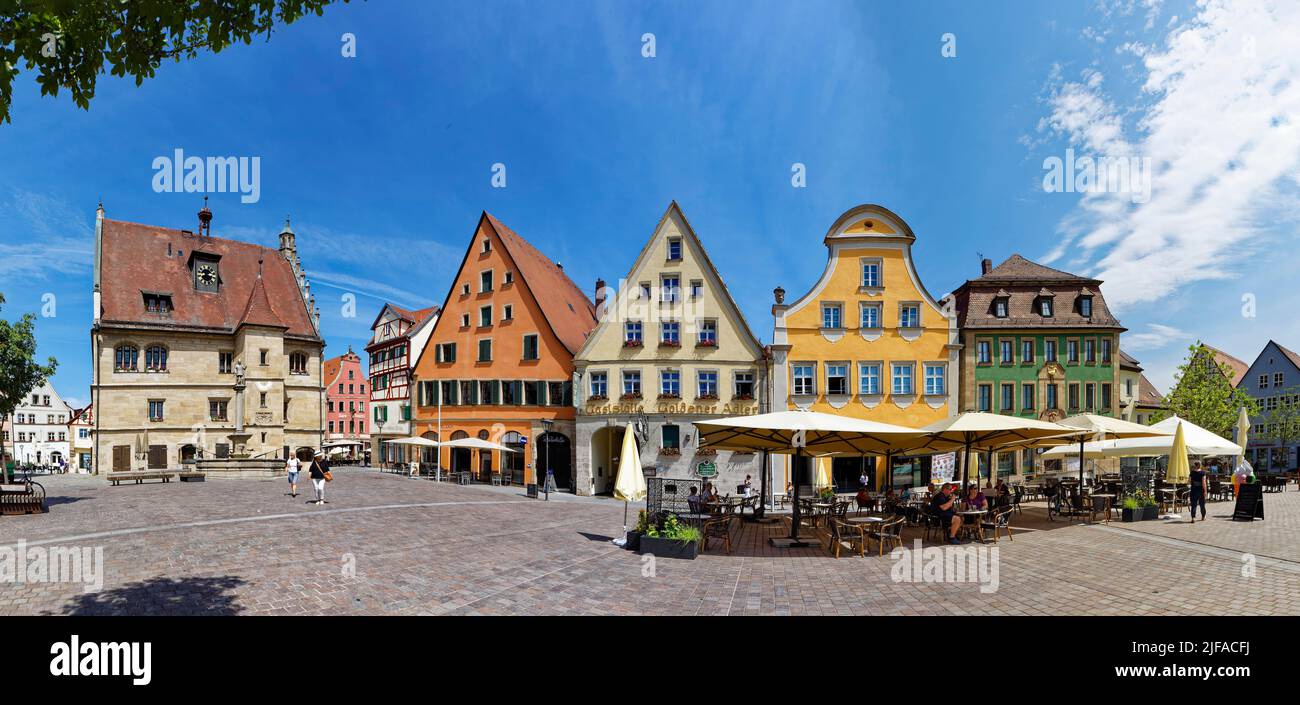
42	236
1217	114
1156	336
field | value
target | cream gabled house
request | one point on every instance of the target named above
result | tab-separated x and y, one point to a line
672	348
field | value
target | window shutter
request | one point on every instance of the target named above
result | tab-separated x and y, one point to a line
568	393
473	394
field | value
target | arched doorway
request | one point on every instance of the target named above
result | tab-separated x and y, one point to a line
556	453
460	457
429	457
187	453
606	447
513	463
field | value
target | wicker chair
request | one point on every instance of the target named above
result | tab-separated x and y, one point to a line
718	528
999	522
840	532
889	532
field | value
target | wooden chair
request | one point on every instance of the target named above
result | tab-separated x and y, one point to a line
889	532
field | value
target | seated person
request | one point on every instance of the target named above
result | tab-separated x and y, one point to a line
710	493
942	504
907	493
694	501
1003	488
975	499
864	497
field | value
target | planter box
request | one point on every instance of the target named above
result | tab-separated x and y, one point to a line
669	548
1141	514
633	541
1150	513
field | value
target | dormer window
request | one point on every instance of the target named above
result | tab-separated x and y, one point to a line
207	276
1085	306
487	246
1000	308
1045	306
158	304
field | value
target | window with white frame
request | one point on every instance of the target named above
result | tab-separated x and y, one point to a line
935	379
1008	397
909	316
832	316
870	315
1278	378
674	248
707	385
837	378
1027	396
1089	351
697	289
599	385
670	383
708	334
631	383
1027	350
670	333
744	385
670	288
871	273
632	332
1049	350
902	379
984	352
984	398
869	378
1263	381
1000	307
1006	355
805	378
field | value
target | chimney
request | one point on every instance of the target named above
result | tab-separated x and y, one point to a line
600	293
986	266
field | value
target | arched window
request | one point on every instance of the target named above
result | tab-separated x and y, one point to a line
125	358
155	358
298	363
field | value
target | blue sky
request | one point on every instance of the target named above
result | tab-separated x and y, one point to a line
384	161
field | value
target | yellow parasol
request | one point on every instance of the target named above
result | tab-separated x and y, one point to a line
1179	472
629	486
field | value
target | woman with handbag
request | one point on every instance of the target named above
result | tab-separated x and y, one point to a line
320	474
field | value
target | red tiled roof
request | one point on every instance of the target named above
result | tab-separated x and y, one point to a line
568	311
135	259
1235	366
1148	395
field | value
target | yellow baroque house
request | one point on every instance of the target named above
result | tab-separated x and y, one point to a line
867	341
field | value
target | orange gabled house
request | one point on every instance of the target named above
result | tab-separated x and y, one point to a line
499	363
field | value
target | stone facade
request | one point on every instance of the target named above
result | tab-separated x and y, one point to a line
205	353
672	348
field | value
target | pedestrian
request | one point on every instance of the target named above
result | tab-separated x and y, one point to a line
749	486
320	474
292	466
414	468
862	479
1197	495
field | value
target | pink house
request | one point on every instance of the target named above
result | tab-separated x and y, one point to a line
346	405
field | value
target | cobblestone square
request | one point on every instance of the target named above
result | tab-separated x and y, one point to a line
387	544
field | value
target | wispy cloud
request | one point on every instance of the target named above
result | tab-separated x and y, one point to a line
1217	115
41	236
1156	336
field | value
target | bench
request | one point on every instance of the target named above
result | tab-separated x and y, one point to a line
26	498
139	476
190	476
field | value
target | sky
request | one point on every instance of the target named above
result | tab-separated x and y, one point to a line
602	112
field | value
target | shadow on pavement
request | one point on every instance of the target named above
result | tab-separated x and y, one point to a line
160	596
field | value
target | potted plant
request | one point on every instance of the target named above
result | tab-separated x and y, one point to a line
1139	506
671	539
1131	509
634	534
826	494
631	343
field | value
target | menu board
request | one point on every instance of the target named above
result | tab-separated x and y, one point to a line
942	467
1250	503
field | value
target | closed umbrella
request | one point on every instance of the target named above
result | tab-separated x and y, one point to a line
629	486
823	478
800	432
1179	471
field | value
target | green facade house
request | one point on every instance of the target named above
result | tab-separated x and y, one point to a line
1037	343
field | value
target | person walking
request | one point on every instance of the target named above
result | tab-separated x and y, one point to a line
1199	488
320	471
292	466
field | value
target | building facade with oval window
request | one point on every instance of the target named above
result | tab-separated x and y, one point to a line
867	340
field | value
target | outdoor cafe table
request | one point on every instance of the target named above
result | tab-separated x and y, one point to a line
1173	496
1108	498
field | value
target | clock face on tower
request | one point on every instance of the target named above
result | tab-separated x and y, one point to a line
205	276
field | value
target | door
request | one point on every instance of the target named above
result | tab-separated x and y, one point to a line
157	457
555	452
121	458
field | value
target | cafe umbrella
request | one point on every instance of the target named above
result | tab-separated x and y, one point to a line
979	431
629	486
1099	428
477	444
423	443
1179	471
801	433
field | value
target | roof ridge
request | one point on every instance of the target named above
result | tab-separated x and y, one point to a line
1017	258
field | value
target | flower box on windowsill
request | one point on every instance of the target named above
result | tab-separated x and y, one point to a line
743	397
706	344
630	397
631	343
670	451
706	451
670	397
669	344
707	397
597	397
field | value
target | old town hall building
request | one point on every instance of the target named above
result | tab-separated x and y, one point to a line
202	347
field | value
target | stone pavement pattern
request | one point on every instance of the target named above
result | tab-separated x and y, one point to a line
391	545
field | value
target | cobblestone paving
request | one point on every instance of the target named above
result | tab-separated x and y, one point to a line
390	545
